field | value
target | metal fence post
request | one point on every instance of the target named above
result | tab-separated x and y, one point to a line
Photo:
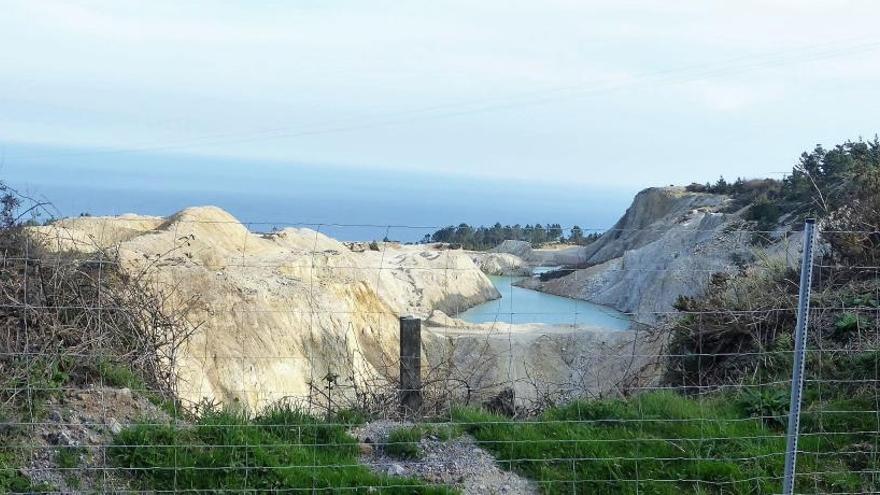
410	365
800	348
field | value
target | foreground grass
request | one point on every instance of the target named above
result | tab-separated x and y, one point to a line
664	443
280	450
655	443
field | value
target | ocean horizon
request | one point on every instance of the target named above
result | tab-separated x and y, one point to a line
347	203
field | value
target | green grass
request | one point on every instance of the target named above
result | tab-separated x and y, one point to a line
117	375
656	443
11	479
114	374
68	457
403	443
664	443
280	449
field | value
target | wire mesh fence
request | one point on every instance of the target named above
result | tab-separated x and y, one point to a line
197	354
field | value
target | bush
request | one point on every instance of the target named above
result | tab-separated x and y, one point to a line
848	323
735	330
84	318
765	212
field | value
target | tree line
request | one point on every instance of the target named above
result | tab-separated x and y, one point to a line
483	237
823	180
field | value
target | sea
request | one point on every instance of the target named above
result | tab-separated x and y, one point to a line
348	203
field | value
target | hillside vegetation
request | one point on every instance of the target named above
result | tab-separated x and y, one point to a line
754	311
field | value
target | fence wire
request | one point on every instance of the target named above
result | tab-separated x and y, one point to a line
202	355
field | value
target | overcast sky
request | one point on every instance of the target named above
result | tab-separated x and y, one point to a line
600	93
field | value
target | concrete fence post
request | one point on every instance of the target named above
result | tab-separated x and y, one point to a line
410	365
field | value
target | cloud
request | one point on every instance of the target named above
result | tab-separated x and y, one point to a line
557	79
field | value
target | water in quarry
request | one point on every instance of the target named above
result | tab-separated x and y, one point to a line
519	305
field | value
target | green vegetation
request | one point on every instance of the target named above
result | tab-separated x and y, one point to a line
825	181
11	479
403	443
665	443
659	443
850	322
483	238
770	404
69	457
113	374
224	450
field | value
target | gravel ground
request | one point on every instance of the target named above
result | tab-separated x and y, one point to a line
458	462
82	423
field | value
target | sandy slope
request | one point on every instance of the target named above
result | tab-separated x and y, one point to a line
280	310
667	244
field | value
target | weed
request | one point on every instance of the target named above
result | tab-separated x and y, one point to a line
117	375
442	432
403	443
847	323
770	405
69	457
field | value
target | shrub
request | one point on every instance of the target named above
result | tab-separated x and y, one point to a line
724	335
69	457
765	212
848	323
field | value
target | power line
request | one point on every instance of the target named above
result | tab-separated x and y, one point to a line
534	98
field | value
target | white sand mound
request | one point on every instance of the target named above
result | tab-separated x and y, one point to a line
278	310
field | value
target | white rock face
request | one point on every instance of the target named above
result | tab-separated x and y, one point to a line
536	360
502	264
520	249
279	310
552	256
669	243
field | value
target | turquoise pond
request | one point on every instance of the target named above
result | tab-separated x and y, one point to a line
518	305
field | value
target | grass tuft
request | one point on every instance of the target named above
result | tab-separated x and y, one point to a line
403	443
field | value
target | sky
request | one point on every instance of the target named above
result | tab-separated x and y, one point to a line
604	94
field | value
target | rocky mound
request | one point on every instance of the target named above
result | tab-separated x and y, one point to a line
280	310
502	264
668	243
